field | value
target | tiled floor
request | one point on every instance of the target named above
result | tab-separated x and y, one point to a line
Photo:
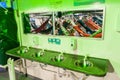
19	76
111	75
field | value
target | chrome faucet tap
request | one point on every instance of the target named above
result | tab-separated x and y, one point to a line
85	61
60	57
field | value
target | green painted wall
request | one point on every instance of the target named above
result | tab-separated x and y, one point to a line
108	47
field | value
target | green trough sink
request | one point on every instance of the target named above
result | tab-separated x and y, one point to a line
97	66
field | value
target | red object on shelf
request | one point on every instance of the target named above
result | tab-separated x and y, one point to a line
92	25
99	35
80	31
42	27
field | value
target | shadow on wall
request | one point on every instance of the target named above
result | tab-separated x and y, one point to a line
8	33
110	67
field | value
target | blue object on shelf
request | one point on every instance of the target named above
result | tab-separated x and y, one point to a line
3	4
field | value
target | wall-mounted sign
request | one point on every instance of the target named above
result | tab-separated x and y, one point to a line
87	2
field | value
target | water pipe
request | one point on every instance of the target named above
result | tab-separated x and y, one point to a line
4	66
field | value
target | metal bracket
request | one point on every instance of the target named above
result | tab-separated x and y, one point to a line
11	69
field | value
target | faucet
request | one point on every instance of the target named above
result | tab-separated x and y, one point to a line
86	62
39	53
60	57
23	50
42	52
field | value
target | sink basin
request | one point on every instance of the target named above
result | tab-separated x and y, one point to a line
56	59
93	66
38	54
81	63
22	50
